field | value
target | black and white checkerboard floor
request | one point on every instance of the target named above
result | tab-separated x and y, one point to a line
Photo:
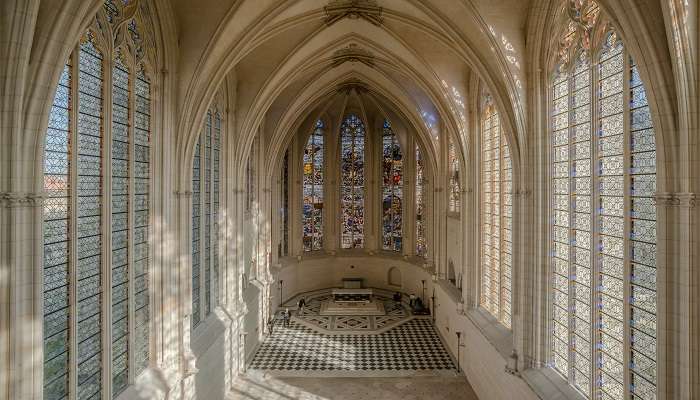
411	346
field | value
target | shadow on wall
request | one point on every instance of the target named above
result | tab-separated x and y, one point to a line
395	278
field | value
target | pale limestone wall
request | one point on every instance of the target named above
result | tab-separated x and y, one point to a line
37	35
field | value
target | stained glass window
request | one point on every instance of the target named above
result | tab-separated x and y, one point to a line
352	171
205	204
216	192
206	214
284	209
312	212
604	219
392	190
142	208
496	218
89	183
421	241
250	180
455	190
196	231
58	213
121	173
93	164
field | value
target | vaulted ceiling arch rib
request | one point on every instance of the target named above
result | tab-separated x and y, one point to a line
229	46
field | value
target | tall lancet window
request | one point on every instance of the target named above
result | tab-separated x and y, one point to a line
312	213
496	217
603	233
352	185
205	212
284	209
455	190
96	218
421	241
392	190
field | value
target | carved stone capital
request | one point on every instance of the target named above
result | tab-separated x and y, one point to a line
353	9
667	199
352	53
687	199
18	200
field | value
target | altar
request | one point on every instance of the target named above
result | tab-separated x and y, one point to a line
355	301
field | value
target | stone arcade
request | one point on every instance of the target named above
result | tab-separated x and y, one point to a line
176	175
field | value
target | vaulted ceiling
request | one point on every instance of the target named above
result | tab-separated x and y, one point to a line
288	57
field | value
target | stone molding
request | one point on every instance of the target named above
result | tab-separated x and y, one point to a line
352	53
21	200
337	10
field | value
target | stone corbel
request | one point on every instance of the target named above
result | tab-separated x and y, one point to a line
337	10
19	200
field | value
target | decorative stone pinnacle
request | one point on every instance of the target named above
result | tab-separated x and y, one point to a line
353	9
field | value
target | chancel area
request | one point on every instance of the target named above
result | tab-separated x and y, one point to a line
349	199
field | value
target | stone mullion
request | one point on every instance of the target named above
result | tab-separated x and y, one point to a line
627	230
571	288
596	279
106	259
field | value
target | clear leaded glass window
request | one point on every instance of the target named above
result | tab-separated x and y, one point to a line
81	146
284	209
205	212
392	190
455	190
421	241
312	190
496	218
603	232
352	173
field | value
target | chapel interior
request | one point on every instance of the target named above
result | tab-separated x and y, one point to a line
349	199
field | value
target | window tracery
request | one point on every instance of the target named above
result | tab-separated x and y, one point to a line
352	147
603	242
496	217
392	193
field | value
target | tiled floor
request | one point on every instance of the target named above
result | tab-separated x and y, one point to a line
411	346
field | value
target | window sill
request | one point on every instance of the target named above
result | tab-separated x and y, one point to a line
417	261
500	337
206	333
548	384
454	293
